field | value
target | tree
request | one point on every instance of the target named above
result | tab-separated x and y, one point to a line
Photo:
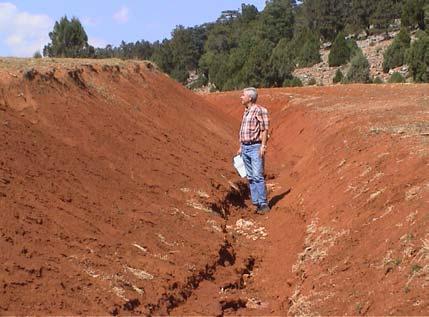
248	13
326	17
282	62
338	76
385	13
359	70
418	58
413	13
360	19
68	39
37	54
277	20
340	51
395	53
162	56
307	46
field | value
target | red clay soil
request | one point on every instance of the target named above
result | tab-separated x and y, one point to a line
351	237
112	181
117	196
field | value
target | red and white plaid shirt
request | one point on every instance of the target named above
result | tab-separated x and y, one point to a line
255	120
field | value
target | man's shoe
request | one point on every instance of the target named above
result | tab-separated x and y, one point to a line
262	210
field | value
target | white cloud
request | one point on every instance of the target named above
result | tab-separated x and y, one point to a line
121	16
23	32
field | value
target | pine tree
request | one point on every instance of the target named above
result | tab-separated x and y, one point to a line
359	17
413	13
395	53
277	20
340	51
418	58
385	13
359	70
68	39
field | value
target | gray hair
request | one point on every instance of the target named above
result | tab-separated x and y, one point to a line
252	93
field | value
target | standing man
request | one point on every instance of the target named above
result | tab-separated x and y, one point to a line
253	145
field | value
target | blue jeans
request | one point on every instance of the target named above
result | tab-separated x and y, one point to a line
254	164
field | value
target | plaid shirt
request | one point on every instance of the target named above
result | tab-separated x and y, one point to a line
255	120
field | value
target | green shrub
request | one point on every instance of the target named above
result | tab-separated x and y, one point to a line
396	78
340	51
359	70
312	81
294	82
338	76
309	53
395	53
377	80
37	54
418	59
354	48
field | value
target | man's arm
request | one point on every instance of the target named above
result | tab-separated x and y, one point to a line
264	138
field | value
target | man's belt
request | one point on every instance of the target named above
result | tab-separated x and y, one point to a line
251	142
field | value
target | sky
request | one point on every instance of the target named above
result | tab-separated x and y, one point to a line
25	25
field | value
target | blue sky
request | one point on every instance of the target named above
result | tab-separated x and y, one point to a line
24	25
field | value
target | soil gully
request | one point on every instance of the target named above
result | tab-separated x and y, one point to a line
227	273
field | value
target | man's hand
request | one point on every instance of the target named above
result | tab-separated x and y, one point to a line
263	150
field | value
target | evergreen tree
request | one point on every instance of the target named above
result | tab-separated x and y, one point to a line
359	17
163	56
340	51
277	20
413	13
307	46
359	70
385	13
395	53
282	62
68	39
248	13
326	17
418	58
338	76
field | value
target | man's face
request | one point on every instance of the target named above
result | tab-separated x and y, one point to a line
245	99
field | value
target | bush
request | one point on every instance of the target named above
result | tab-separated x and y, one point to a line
308	52
396	78
338	77
418	59
377	80
312	81
359	70
340	51
37	54
395	53
294	82
354	48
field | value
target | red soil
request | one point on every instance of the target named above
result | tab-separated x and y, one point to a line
118	196
352	236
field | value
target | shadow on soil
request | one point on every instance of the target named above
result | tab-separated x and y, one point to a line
279	197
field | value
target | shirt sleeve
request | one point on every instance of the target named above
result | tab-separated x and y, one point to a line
262	116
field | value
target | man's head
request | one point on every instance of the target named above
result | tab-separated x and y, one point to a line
249	95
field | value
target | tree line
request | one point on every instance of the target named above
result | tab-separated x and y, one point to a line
247	47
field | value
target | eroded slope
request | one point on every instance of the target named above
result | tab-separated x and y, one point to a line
111	183
351	236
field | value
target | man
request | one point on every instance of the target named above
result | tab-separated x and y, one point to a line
253	145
